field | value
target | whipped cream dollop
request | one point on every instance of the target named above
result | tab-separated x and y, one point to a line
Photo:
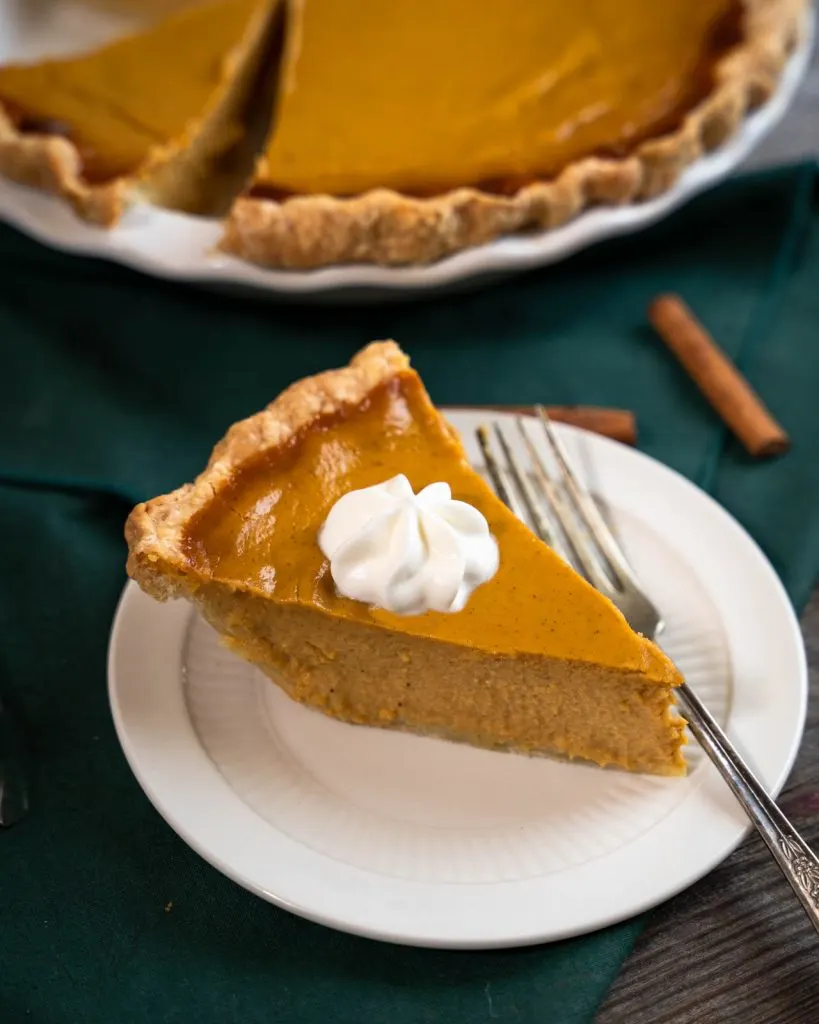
408	553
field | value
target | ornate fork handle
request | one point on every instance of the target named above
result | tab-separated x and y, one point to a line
795	858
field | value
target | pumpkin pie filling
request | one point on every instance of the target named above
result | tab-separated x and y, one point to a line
392	107
429	98
260	533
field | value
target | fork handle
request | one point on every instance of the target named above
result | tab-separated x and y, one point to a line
796	860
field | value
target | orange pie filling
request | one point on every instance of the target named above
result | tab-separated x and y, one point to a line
421	96
436	94
261	533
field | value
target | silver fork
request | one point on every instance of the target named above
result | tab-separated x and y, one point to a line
589	545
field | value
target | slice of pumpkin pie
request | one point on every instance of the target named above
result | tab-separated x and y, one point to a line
341	541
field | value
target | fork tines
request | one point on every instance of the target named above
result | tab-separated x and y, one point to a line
556	505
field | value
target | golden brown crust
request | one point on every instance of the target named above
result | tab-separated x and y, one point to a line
155	529
52	163
385	227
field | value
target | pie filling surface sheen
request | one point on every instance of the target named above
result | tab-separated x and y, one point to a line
260	532
436	95
421	97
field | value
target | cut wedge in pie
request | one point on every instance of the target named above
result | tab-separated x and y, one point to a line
536	661
402	131
150	114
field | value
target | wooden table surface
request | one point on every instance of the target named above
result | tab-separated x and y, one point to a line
737	948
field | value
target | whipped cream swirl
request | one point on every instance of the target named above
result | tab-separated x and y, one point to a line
408	553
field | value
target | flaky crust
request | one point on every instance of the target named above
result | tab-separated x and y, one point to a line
388	228
155	529
53	164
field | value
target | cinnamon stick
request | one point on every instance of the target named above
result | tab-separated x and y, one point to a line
619	424
730	394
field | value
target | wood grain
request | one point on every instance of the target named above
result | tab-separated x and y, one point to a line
736	947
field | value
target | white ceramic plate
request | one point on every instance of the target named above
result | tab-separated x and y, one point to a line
431	843
181	247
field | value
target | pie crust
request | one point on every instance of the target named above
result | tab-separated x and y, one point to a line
52	163
385	227
155	529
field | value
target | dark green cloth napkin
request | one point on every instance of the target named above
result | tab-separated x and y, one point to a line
114	388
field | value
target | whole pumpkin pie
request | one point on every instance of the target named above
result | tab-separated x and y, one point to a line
149	114
534	660
401	131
